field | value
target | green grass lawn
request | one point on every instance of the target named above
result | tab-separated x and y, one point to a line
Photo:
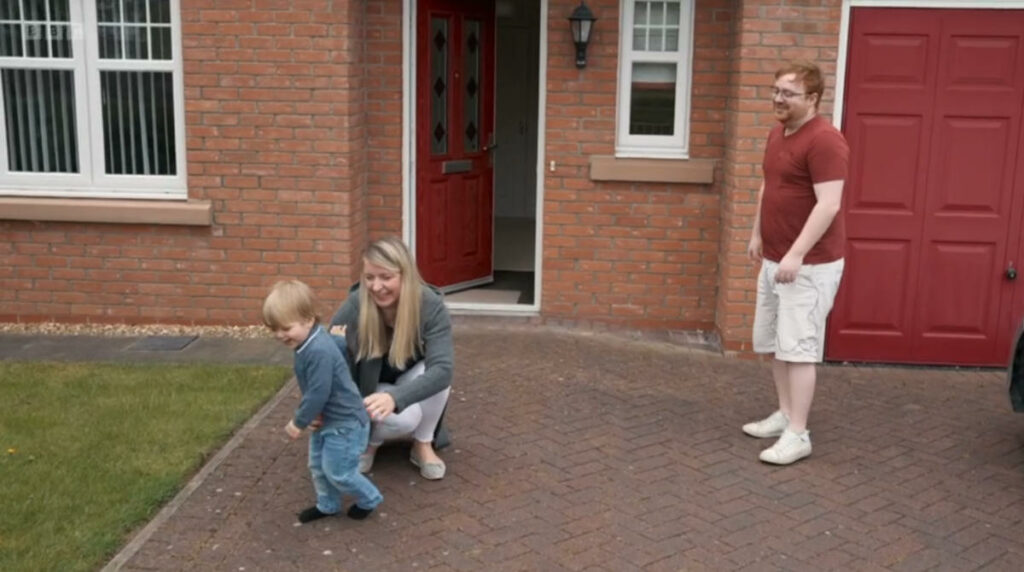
88	452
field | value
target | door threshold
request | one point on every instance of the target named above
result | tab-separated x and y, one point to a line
478	309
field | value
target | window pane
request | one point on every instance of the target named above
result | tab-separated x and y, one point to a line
672	14
60	41
39	119
10	40
59	11
652	99
108	10
36	45
160	11
138	123
10	11
110	42
640	13
134	11
35	9
161	43
657	13
672	40
136	43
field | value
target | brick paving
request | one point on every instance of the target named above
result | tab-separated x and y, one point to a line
591	452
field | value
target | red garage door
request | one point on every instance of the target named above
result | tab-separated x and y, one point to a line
934	206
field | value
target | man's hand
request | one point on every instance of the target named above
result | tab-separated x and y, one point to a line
754	252
379	405
789	267
338	330
292	430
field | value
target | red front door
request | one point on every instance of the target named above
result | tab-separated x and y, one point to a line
933	116
454	126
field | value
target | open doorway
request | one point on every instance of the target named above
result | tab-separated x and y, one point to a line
514	157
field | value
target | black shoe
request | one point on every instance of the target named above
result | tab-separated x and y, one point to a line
357	513
310	514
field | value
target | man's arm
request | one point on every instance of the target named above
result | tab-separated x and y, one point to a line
830	197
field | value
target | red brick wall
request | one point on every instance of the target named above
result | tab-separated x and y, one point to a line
294	122
384	117
766	34
642	255
276	129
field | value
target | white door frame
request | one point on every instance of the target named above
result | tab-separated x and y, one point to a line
844	33
409	159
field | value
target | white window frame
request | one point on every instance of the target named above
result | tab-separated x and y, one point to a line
92	181
674	146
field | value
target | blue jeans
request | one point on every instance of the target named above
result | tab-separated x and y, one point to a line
334	464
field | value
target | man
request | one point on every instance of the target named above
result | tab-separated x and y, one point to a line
799	240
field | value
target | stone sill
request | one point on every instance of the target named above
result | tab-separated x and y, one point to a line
608	168
184	213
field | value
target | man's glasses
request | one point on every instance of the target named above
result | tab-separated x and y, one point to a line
785	93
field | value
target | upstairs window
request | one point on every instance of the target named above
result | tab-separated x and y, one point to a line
655	63
91	99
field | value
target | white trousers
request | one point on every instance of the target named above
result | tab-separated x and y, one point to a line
418	420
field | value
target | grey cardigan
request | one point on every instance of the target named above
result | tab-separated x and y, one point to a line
437	347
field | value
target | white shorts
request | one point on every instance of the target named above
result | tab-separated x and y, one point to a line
789	319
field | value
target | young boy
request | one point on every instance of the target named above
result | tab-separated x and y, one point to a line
328	395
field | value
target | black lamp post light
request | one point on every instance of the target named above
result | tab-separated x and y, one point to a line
581	22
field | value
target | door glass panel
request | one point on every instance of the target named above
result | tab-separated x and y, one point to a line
652	99
438	86
471	71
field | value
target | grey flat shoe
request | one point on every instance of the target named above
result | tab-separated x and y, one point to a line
429	471
366	461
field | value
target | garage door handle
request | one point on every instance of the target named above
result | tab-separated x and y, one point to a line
1011	272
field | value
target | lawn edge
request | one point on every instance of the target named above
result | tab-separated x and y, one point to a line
133	546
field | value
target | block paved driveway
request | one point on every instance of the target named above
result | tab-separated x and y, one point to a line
591	452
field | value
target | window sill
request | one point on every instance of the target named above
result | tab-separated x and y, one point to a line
185	213
608	168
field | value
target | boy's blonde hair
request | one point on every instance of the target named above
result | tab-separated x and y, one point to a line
391	253
289	302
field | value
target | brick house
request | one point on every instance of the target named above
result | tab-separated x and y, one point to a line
165	161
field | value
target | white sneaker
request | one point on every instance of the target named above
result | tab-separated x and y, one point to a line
771	426
790	447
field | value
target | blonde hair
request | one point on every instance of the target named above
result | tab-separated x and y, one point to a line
392	254
807	73
289	302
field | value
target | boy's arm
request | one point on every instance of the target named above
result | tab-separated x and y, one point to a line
318	375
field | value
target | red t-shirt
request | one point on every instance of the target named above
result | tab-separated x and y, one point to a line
816	153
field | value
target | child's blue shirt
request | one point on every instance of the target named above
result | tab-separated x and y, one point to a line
326	382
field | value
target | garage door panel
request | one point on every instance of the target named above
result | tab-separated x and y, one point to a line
972	160
884	142
874	267
983	63
895	60
957	288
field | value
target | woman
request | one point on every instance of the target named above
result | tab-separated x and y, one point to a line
401	354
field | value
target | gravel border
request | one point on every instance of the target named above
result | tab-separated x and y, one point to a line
126	330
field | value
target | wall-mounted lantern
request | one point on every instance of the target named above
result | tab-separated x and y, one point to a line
581	22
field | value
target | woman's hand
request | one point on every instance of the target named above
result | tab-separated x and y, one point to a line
379	405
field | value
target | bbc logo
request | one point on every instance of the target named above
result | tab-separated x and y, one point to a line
36	32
